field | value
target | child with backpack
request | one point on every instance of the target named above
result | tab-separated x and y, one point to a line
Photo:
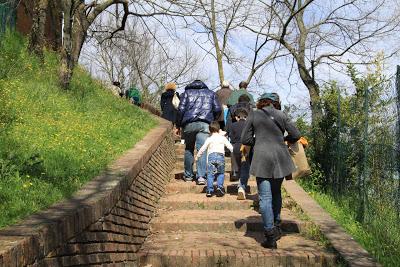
241	154
243	103
215	146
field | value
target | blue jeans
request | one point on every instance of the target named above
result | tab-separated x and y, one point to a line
215	167
195	134
241	167
269	192
244	172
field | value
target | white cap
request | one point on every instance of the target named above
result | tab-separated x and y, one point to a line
225	84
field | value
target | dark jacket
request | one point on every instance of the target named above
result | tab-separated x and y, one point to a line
230	118
168	110
223	94
198	103
271	158
236	131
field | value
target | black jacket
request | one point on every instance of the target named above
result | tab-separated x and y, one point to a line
168	110
236	131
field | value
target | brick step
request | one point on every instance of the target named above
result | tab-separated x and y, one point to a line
177	173
180	165
189	201
231	249
180	186
180	157
215	220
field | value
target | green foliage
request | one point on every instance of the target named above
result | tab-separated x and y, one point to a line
352	120
53	141
354	172
380	237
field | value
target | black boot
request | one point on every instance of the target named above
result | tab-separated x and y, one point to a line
270	241
278	230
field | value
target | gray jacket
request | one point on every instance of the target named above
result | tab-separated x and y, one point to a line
271	157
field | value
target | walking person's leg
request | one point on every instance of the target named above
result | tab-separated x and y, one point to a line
202	134
220	174
276	199
276	185
210	177
235	162
265	196
190	139
244	178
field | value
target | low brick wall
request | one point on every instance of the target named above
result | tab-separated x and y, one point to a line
105	222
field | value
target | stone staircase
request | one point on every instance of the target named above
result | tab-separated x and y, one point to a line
190	229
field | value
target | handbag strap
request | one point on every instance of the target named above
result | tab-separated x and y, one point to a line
273	119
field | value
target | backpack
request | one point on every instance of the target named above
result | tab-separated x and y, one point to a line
175	101
134	94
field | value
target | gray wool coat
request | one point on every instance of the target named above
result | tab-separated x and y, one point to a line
271	157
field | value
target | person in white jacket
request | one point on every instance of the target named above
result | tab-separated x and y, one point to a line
215	146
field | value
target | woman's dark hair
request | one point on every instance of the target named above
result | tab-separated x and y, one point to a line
266	102
214	127
244	98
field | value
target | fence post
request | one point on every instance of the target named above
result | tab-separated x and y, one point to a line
7	16
398	138
362	192
338	178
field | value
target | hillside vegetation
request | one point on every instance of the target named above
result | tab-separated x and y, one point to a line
53	141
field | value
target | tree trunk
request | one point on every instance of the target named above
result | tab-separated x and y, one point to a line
218	51
313	89
251	75
66	49
55	23
316	108
75	30
37	36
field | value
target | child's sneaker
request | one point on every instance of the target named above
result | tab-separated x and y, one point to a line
209	194
201	181
241	194
220	192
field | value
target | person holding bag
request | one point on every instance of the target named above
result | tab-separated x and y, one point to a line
271	160
169	111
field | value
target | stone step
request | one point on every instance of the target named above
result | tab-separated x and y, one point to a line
177	173
189	201
230	249
215	220
180	186
180	157
179	165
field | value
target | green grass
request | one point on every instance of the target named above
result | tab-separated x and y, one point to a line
380	235
52	141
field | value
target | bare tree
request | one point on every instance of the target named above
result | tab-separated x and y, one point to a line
80	15
136	57
217	20
324	32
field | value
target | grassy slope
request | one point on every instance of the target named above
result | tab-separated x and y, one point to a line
53	141
380	236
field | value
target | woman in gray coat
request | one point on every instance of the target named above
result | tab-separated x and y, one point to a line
264	129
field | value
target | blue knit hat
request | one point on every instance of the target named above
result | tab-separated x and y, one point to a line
271	96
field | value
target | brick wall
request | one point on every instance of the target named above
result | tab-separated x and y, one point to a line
106	222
